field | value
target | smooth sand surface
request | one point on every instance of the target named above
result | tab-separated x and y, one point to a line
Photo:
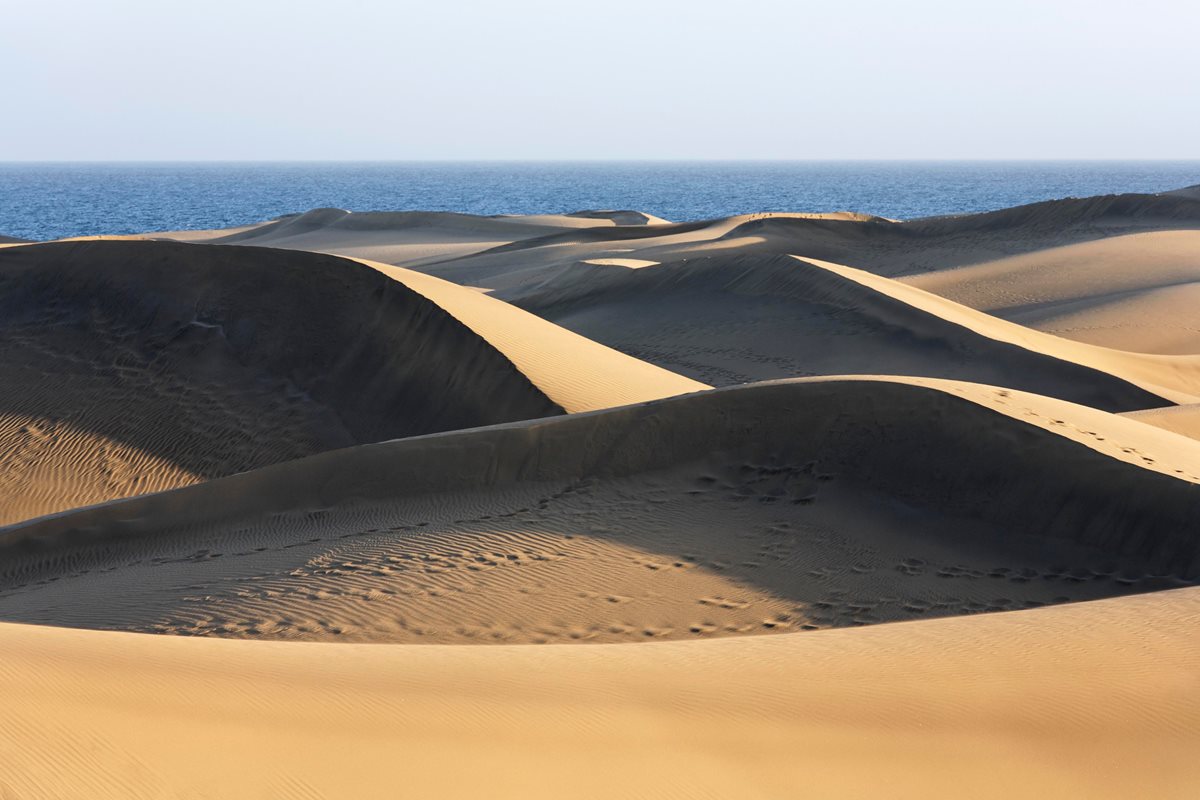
427	504
405	237
1183	419
1092	700
1134	292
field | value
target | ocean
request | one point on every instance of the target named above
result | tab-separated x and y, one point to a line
51	200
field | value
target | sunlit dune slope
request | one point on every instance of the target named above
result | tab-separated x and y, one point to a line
1133	292
765	508
1184	420
575	372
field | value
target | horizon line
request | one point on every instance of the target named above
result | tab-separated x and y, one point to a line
840	160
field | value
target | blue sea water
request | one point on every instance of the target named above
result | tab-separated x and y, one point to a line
50	200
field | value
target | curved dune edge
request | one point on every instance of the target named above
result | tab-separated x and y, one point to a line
1175	378
1090	700
134	366
734	319
1133	291
574	371
1106	433
1183	420
713	514
198	362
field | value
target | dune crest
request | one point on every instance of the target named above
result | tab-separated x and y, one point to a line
1176	378
1184	420
575	372
935	528
712	514
190	371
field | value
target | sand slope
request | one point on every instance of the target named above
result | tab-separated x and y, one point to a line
355	457
733	318
885	247
757	509
1184	420
1116	271
135	366
408	237
1134	292
577	373
1093	700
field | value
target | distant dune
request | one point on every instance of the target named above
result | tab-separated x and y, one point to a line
933	534
1134	291
405	236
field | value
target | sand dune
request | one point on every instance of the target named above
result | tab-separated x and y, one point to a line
335	435
136	366
733	318
1184	419
766	508
1114	271
405	237
1134	291
575	372
1190	192
882	246
1092	700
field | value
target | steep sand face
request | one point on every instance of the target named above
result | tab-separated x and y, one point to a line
766	508
575	372
134	366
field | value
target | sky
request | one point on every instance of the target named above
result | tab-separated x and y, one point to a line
566	80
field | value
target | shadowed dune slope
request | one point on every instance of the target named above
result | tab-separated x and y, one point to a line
882	246
772	507
736	318
134	366
575	372
1190	192
513	254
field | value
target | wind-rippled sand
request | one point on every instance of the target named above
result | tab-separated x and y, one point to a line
393	454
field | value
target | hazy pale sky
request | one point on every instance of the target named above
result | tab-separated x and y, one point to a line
537	79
